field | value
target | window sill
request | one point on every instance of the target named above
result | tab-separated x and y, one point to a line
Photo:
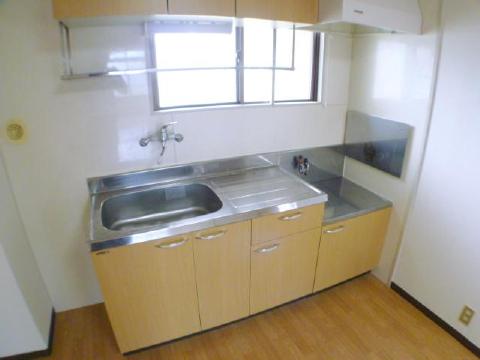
239	107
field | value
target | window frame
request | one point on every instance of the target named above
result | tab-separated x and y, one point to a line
317	69
316	81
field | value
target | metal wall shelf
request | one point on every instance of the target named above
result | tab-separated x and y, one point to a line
69	73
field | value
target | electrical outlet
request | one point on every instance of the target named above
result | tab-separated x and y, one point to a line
466	315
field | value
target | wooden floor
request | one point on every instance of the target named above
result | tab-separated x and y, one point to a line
362	319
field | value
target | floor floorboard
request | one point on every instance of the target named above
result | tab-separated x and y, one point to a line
361	319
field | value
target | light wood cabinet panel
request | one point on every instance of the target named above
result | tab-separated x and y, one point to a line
299	11
149	291
275	226
66	9
350	248
222	265
283	270
202	7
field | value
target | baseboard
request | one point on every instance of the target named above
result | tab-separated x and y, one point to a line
437	320
40	353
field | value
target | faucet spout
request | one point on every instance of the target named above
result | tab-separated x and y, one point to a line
145	141
163	136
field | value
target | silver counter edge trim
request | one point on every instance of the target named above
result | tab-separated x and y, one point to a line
335	219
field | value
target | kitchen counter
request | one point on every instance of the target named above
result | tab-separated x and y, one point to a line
247	187
347	199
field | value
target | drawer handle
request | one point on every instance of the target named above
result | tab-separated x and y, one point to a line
268	249
291	217
336	230
212	236
172	245
103	252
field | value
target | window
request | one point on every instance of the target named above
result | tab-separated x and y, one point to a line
215	63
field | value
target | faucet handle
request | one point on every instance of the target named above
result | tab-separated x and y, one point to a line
145	141
301	164
165	126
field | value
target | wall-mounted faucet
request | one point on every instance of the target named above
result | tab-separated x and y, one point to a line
163	136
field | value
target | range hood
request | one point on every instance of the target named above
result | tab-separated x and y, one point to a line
385	15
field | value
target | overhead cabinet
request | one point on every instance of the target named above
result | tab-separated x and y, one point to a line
202	7
298	11
396	15
69	9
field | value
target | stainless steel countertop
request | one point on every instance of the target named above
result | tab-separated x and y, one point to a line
348	200
253	188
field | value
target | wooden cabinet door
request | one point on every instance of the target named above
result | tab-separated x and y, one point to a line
202	7
283	270
222	266
149	291
66	9
350	248
299	11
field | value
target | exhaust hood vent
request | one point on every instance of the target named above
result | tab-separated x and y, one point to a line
369	16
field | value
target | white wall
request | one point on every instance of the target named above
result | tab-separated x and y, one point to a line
439	260
18	331
24	293
86	128
25	306
392	77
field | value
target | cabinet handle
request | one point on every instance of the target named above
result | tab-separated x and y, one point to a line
172	245
291	217
267	249
336	230
212	236
102	252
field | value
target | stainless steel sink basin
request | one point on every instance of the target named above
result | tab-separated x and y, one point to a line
155	207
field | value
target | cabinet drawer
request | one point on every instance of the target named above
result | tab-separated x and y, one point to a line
350	248
283	270
276	226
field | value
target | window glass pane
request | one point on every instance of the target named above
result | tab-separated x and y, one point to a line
295	85
284	47
198	87
190	50
257	86
194	45
257	52
258	43
179	47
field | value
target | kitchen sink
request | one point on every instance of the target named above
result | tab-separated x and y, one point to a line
155	207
